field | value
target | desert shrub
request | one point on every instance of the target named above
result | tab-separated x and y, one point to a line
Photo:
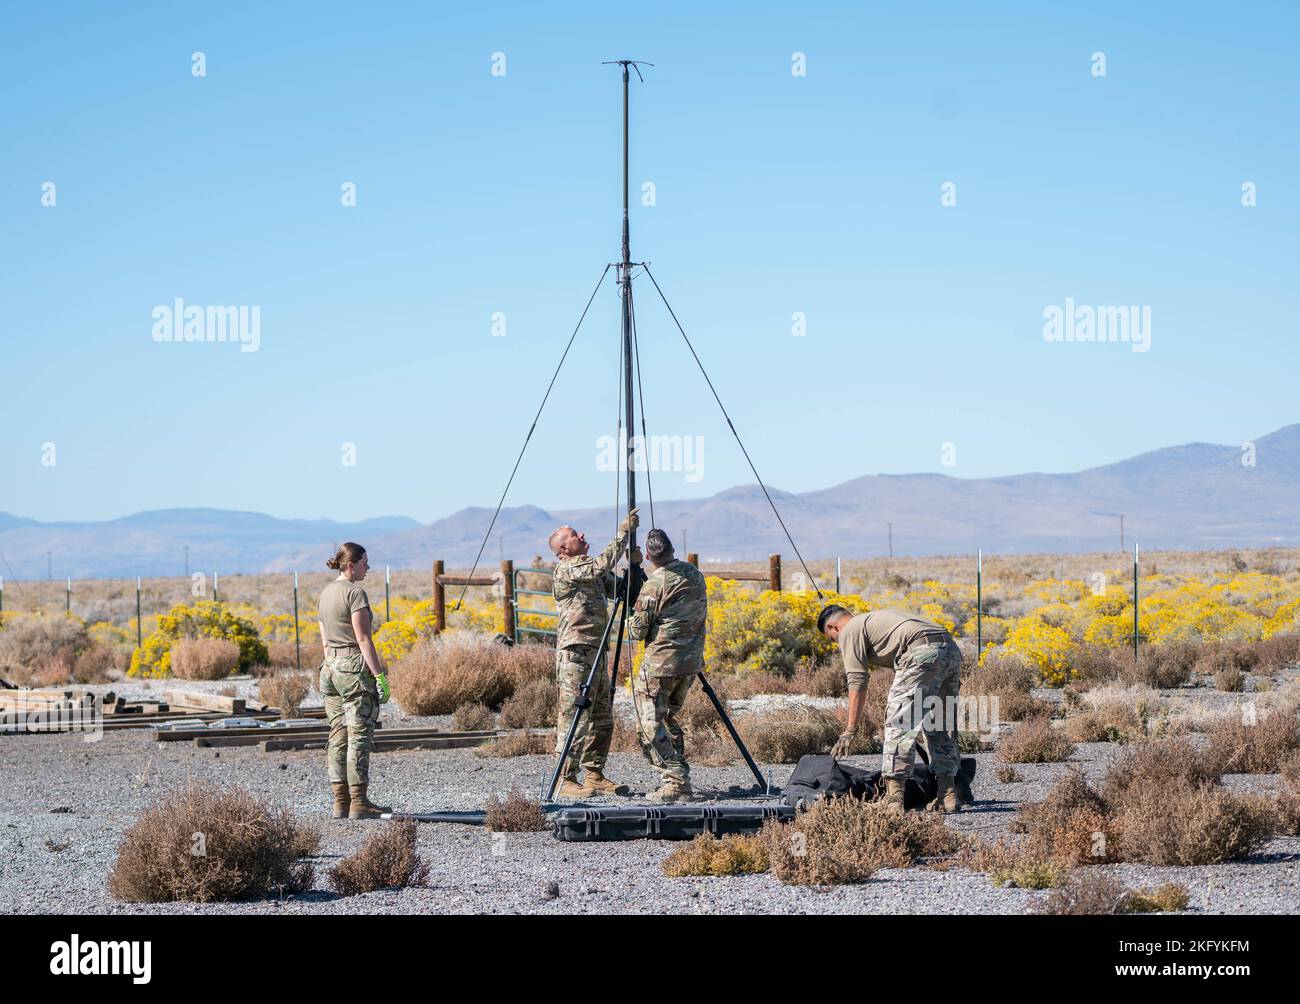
532	706
473	716
284	691
513	744
96	664
440	674
707	742
1159	762
1186	824
1232	681
786	733
825	680
1006	774
1094	892
282	654
1166	808
1278	652
739	686
45	650
707	855
204	619
1169	897
1011	864
1035	741
1288	798
1238	748
1117	714
1165	666
1225	656
1026	872
843	840
1087	727
249	849
1009	677
1092	664
387	860
1068	825
513	814
203	658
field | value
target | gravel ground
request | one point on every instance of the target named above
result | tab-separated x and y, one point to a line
57	789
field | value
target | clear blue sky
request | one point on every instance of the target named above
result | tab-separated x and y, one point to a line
775	194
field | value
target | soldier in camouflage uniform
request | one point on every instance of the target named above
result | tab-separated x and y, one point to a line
921	705
352	681
669	617
582	587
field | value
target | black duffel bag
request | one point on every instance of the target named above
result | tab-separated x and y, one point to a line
822	776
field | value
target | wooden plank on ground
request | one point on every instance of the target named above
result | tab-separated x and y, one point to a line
443	742
211	702
214	739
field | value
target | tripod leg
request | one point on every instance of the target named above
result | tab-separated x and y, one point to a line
581	704
726	720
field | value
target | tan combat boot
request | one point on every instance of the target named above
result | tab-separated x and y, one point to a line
946	798
596	783
569	787
672	791
362	807
893	798
341	799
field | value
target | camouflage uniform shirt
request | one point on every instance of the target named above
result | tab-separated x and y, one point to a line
582	586
669	616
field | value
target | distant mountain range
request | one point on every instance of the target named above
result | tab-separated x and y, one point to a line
1198	496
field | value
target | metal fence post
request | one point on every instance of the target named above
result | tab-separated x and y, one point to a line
1135	602
139	618
297	642
979	604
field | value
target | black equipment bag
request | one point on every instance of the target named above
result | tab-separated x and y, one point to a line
822	776
665	822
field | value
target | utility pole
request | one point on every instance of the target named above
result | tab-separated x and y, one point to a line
49	565
891	539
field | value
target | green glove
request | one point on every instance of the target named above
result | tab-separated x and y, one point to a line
384	692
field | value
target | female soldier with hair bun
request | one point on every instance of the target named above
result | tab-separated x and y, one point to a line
353	682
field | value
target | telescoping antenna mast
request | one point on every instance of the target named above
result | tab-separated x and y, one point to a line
629	583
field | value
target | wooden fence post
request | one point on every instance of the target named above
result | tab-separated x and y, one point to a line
508	597
439	599
693	558
774	572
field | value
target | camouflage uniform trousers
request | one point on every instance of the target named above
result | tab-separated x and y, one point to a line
658	700
922	672
596	727
352	707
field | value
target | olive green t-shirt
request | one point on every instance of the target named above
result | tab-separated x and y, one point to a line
338	602
878	638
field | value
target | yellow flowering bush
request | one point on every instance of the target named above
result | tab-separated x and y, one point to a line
204	619
1045	646
766	631
397	637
